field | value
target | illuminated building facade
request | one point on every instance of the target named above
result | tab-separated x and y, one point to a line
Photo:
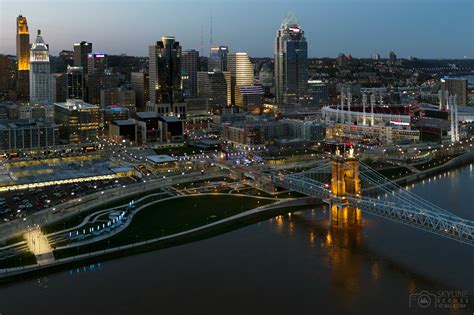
242	74
78	121
41	90
344	181
218	59
165	71
250	98
23	57
291	62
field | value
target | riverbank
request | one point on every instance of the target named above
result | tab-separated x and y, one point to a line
14	229
215	228
454	163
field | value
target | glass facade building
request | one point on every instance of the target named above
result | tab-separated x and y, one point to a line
78	121
218	59
165	71
291	62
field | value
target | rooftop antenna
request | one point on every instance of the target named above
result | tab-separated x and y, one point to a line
202	43
210	36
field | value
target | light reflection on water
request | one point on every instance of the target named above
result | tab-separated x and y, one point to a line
370	269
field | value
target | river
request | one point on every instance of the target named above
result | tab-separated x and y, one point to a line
289	265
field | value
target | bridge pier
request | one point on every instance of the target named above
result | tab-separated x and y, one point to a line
344	181
344	216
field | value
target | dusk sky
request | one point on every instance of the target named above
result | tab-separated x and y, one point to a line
422	28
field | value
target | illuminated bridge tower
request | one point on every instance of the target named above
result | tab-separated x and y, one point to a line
344	183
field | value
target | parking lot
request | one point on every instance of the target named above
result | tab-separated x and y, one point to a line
19	204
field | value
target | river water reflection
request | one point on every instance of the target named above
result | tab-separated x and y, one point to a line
286	265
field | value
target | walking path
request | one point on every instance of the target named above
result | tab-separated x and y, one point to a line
38	244
279	204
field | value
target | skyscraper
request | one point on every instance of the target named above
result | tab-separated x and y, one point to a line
189	70
81	51
75	83
165	71
96	63
241	69
216	87
291	62
140	82
41	90
23	57
218	59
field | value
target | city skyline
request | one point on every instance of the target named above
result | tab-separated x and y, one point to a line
360	28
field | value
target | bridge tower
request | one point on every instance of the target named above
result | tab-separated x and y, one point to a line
344	181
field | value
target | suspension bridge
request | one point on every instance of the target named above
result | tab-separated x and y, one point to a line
351	187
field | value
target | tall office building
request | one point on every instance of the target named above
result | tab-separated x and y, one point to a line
78	121
95	82
241	69
8	72
291	62
455	86
216	87
81	52
23	57
41	90
165	71
140	83
218	59
189	70
75	83
96	63
59	85
66	59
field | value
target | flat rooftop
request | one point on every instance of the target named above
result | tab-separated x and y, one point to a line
73	104
160	159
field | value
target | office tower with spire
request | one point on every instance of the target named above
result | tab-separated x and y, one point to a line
241	69
189	70
23	57
40	75
218	58
291	62
165	71
81	53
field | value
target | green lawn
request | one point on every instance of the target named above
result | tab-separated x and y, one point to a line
77	219
172	216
